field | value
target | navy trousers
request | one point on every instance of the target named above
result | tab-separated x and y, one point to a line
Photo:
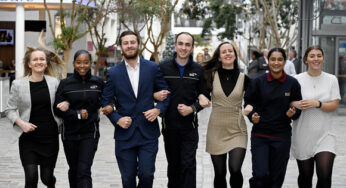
136	156
80	155
181	146
269	161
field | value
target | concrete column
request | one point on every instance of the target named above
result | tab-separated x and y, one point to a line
20	45
42	14
305	28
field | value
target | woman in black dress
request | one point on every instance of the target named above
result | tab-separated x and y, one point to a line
33	96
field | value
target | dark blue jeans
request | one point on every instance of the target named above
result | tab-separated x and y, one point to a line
269	161
80	155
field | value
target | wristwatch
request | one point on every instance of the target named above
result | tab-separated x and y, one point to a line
320	105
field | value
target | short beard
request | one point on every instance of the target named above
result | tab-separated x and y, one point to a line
129	57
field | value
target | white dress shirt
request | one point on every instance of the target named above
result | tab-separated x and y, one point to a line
133	75
267	63
289	68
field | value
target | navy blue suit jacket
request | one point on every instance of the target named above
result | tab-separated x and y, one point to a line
118	86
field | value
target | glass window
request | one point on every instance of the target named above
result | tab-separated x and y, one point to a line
334	4
334	20
328	46
328	12
342	68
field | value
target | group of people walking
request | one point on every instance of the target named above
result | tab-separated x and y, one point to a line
137	91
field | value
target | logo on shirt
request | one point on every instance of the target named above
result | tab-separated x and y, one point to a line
93	87
287	94
193	74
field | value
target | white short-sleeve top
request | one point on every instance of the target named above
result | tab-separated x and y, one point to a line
312	132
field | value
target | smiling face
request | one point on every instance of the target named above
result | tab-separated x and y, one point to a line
276	63
37	63
184	46
82	64
129	46
199	58
314	60
227	56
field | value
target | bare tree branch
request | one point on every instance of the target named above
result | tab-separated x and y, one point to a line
49	18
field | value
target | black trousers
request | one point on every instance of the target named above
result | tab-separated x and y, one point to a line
181	146
80	155
269	161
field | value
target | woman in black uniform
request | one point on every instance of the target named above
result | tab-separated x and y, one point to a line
33	97
270	96
80	135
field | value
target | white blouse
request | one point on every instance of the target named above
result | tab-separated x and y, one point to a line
312	132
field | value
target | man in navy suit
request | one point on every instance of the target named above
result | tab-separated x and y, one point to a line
132	82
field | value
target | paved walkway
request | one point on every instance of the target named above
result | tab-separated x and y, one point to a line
106	173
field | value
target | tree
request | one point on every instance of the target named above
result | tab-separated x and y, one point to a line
99	38
276	22
71	32
162	12
131	17
169	49
216	15
200	41
273	22
141	14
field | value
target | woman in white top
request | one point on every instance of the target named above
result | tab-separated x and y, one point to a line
313	140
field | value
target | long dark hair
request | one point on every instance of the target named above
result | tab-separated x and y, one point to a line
214	63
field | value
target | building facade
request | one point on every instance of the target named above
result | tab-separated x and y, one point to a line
323	23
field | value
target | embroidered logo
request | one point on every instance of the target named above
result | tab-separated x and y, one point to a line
192	74
93	87
287	94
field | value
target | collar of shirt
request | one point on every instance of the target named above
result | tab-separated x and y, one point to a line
181	68
281	79
129	66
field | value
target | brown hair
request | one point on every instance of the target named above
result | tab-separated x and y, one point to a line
125	33
309	49
214	63
54	62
